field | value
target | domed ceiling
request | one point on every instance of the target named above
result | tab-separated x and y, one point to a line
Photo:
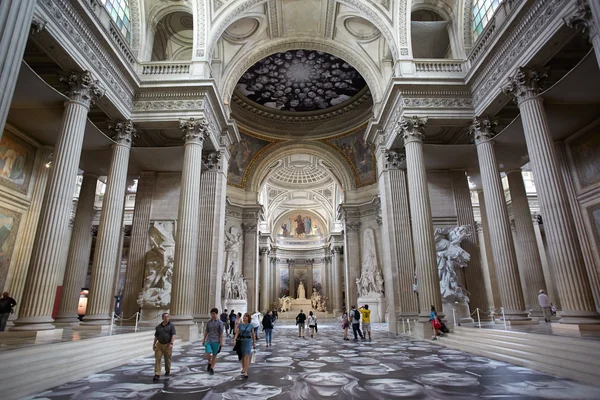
301	81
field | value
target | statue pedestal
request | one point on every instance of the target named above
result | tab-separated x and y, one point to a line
301	304
151	316
236	305
377	306
462	312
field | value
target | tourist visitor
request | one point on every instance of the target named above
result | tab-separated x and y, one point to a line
300	321
225	319
244	332
6	308
232	318
256	323
553	309
544	302
164	337
238	319
312	323
213	340
435	324
366	319
355	317
345	324
267	324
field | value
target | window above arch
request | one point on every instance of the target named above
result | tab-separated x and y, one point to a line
120	13
483	10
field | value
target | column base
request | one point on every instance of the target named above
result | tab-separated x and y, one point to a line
581	328
182	320
91	327
36	336
579	318
66	320
516	322
422	330
198	318
187	333
33	324
98	319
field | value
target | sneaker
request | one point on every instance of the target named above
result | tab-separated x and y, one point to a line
434	338
167	373
155	378
208	367
211	372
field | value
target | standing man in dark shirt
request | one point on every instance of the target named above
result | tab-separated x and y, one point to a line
213	340
232	318
6	305
225	319
300	321
164	337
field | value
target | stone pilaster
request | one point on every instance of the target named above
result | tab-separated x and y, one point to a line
49	247
501	240
264	279
563	244
79	252
587	19
473	274
15	25
412	131
337	279
101	298
490	275
398	258
186	242
15	281
250	266
274	276
530	261
134	275
352	260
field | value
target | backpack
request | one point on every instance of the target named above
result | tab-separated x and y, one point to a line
356	315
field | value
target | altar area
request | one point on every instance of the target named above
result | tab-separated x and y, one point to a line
290	307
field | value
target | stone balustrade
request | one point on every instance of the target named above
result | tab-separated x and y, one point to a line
165	68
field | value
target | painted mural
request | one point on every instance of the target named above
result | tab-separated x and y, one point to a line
16	162
9	226
586	156
284	282
360	155
300	225
242	154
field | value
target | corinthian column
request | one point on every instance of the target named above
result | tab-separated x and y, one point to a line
109	230
49	247
134	275
15	24
79	252
264	279
587	18
412	131
501	240
186	251
18	273
250	265
531	262
352	260
337	279
563	244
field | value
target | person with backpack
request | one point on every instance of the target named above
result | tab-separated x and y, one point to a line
300	321
267	323
435	324
355	316
312	323
225	319
232	319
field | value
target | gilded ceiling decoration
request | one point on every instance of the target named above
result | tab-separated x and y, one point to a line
300	80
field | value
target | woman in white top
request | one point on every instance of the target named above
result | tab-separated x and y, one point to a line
312	323
256	317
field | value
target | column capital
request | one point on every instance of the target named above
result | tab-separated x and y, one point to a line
412	129
525	83
582	19
336	250
249	228
194	130
123	132
483	129
352	226
264	250
396	159
211	160
82	88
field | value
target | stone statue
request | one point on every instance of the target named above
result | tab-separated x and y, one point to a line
234	286
301	291
370	282
156	291
233	243
451	257
285	303
315	298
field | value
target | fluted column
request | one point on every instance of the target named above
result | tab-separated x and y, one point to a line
49	247
501	240
491	276
15	25
352	260
587	18
530	262
398	258
474	277
186	242
15	280
412	131
563	244
134	275
264	280
250	265
337	279
101	296
79	252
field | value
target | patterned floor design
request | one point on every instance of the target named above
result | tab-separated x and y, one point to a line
326	367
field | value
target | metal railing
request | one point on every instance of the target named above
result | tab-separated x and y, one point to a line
119	318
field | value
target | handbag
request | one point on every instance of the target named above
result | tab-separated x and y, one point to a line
253	358
436	323
237	347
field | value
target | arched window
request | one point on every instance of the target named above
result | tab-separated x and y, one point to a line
483	10
119	12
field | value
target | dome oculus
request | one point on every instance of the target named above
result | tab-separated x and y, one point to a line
300	80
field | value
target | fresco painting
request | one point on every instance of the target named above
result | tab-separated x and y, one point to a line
360	154
9	226
284	282
300	225
242	154
16	162
586	157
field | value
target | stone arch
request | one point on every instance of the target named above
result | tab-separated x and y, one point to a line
334	162
162	9
365	67
368	12
446	12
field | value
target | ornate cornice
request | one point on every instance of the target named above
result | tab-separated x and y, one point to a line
169	105
525	84
437	102
582	19
82	88
483	129
123	132
195	130
412	129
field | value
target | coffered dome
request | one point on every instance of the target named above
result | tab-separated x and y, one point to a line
300	175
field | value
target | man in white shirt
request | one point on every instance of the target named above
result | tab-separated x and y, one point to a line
544	302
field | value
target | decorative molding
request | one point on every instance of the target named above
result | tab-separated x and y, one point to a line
273	19
200	23
329	19
353	226
483	129
402	34
525	84
396	159
249	228
211	160
134	7
37	25
582	19
123	132
468	25
437	102
82	88
170	105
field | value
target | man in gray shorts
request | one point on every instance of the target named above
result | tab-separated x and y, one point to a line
213	340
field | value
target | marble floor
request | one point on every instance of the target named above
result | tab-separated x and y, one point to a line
326	367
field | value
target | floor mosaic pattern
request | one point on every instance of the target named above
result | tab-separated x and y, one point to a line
327	367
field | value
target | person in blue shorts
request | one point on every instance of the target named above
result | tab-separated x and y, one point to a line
245	333
213	340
